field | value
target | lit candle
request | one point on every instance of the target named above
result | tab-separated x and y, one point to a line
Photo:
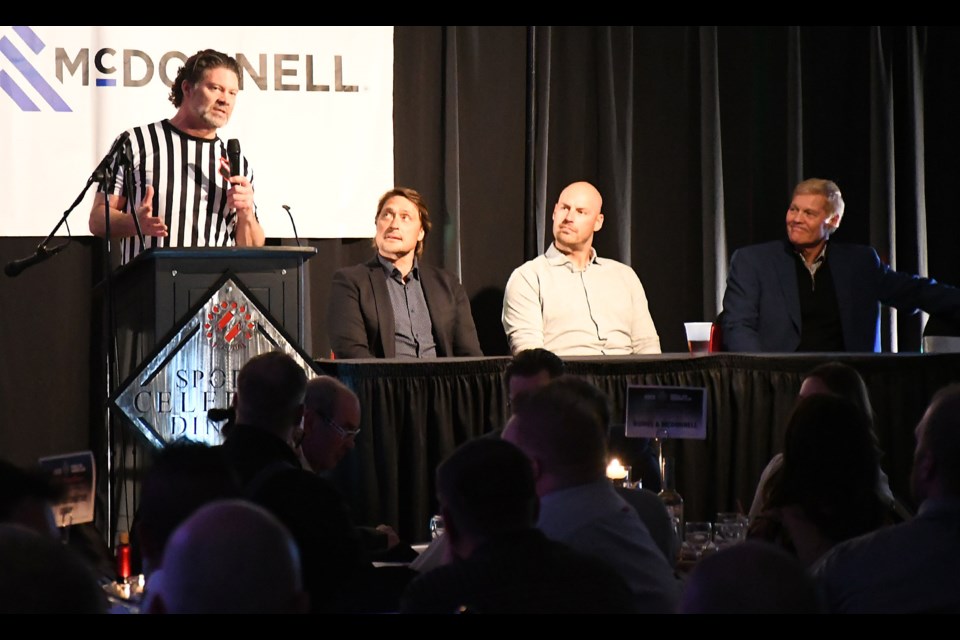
616	471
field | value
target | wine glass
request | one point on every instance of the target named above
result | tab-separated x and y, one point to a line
697	540
729	529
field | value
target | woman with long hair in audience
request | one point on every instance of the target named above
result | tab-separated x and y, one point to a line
841	380
825	492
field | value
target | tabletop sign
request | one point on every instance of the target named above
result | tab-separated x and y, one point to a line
75	474
666	412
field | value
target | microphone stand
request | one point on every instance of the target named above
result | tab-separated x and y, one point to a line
102	174
43	252
105	174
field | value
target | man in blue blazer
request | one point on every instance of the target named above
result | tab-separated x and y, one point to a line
807	294
394	306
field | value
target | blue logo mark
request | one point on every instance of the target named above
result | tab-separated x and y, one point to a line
28	73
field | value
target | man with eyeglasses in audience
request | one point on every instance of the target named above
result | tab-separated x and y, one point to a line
331	420
269	406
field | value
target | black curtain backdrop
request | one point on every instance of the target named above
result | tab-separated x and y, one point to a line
694	135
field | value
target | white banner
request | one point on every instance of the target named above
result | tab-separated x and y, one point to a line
314	117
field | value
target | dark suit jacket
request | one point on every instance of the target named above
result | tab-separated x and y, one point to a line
360	316
761	306
520	572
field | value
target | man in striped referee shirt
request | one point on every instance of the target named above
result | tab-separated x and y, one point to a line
181	174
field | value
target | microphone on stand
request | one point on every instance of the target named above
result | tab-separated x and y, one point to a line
14	267
294	224
102	174
118	145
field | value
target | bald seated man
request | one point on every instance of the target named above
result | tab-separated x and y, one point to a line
231	556
569	300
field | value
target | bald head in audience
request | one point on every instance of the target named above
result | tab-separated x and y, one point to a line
231	556
330	418
751	577
270	391
41	575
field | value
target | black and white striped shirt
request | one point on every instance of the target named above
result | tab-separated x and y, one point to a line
190	191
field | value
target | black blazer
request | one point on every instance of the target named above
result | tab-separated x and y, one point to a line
761	305
360	317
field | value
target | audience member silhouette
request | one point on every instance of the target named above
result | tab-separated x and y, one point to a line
502	564
26	497
331	422
271	391
41	575
29	496
529	370
533	368
268	411
753	577
913	566
269	407
231	556
560	429
336	553
841	380
182	477
826	491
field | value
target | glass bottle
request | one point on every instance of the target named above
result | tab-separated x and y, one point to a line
123	558
671	498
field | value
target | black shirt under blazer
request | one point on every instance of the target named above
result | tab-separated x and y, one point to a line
360	316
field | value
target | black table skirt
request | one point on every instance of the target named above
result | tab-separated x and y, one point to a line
414	413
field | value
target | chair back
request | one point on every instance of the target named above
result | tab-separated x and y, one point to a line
716	336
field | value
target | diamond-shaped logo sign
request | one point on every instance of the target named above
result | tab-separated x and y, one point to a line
196	370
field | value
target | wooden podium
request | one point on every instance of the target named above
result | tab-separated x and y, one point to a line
154	298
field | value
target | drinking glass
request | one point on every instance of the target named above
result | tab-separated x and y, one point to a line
698	336
697	541
437	526
729	529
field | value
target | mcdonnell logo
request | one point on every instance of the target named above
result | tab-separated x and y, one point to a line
109	67
13	49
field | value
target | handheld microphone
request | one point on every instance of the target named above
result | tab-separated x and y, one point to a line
14	267
293	224
233	154
118	145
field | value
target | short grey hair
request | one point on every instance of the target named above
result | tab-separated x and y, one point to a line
826	188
